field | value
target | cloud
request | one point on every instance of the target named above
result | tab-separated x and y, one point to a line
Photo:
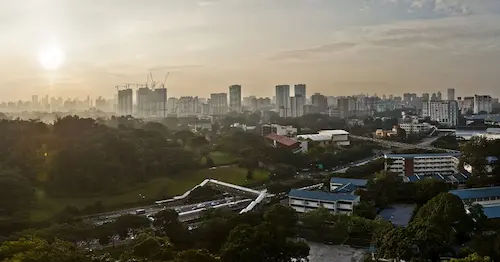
300	54
448	34
444	7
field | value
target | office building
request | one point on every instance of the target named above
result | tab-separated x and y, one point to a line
283	100
235	98
125	102
482	104
451	94
218	104
337	203
443	112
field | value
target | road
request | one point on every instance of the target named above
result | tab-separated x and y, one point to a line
401	145
150	210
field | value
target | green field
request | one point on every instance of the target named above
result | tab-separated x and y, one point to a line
222	158
46	206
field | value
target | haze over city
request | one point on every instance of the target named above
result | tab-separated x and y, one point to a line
339	47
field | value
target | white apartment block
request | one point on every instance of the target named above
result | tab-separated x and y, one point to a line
416	128
422	164
443	112
482	104
337	203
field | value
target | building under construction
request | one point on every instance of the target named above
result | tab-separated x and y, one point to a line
150	102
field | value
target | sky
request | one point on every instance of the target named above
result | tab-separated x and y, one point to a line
336	47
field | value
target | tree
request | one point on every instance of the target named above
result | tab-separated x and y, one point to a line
16	193
195	255
260	243
426	189
126	222
38	250
366	209
394	243
477	215
282	219
474	257
474	153
166	221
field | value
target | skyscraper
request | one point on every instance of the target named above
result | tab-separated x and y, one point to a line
451	94
218	104
235	98
283	100
125	102
299	101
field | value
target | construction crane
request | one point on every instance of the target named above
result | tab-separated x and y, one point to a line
165	80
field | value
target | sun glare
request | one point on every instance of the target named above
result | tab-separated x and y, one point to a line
51	58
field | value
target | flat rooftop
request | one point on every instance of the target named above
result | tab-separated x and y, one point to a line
320	195
421	155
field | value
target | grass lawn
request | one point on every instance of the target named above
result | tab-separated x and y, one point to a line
46	206
222	158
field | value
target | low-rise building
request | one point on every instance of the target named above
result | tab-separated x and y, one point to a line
327	137
337	203
487	197
422	164
346	185
287	143
288	131
416	128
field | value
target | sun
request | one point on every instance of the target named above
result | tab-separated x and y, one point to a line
51	57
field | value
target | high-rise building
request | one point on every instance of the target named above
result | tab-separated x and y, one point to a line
466	105
451	93
188	106
320	101
159	101
425	97
125	105
235	98
218	104
443	112
283	100
297	104
482	104
300	89
151	102
439	96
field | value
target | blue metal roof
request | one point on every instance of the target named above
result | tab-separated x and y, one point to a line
319	195
476	192
492	211
347	188
421	155
353	181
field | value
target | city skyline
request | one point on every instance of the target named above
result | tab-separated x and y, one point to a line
344	47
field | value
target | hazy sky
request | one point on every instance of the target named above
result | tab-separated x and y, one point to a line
336	47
